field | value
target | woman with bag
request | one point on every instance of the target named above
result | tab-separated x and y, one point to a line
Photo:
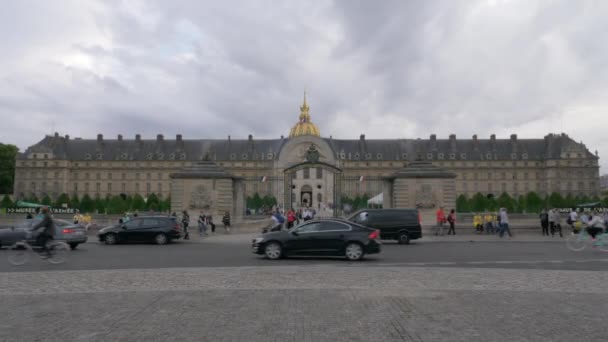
452	222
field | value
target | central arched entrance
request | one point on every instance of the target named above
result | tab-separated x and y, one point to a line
313	184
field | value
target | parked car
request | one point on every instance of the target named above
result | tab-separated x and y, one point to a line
320	237
402	225
72	234
158	229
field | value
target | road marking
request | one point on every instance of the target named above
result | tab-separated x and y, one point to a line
495	262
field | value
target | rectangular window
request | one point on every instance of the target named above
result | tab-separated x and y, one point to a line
489	175
124	187
86	187
503	187
160	188
160	175
581	186
306	173
43	186
124	176
109	187
137	175
148	188
489	187
137	187
56	174
98	176
525	175
86	175
98	187
75	187
148	176
319	173
110	175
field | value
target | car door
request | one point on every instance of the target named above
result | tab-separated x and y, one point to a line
332	236
130	231
149	228
303	241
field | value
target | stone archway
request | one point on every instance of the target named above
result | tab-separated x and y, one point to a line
298	192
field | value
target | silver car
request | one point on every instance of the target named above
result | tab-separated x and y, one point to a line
70	233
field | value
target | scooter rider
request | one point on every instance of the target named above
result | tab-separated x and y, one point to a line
46	229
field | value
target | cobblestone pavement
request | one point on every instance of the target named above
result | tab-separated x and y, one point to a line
304	303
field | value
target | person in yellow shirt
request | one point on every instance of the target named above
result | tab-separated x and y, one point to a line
489	222
478	223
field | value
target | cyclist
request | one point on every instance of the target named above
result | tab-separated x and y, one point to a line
595	225
47	230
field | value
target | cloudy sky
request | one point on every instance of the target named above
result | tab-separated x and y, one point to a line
398	69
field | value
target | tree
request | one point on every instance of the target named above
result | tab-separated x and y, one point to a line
138	203
6	202
533	202
556	201
478	202
462	204
8	156
165	204
256	201
117	205
520	204
505	201
87	204
153	202
33	199
491	204
63	198
100	205
75	202
46	200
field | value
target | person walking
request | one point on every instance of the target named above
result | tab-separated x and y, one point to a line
210	223
504	223
489	223
185	224
558	222
226	222
202	224
440	221
544	222
552	221
452	222
291	218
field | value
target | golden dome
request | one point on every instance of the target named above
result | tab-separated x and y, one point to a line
304	125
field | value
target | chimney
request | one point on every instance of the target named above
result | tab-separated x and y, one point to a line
250	137
99	137
453	142
120	137
513	137
178	138
475	137
228	138
433	142
362	137
138	137
56	135
67	137
282	137
433	137
159	138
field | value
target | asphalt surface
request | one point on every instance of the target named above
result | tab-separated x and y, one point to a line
234	251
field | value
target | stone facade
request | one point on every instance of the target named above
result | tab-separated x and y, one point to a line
100	167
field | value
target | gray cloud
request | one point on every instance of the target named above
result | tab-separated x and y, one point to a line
386	69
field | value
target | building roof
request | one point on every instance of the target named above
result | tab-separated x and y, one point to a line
202	169
551	146
304	125
422	169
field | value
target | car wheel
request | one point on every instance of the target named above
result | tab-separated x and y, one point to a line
161	239
73	246
273	250
110	239
403	238
354	251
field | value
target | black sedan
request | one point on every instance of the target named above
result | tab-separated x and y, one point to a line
158	229
320	237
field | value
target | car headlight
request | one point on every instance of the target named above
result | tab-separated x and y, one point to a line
258	240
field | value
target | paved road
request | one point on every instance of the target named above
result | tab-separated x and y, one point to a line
234	251
216	290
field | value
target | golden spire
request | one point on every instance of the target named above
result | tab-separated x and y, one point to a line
304	125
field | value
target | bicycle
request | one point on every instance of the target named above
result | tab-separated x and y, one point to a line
576	242
20	252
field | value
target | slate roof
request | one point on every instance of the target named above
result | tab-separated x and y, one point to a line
550	147
422	169
203	169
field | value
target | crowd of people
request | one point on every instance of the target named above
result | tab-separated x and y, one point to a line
490	223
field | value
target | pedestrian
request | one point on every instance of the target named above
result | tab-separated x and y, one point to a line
452	222
440	221
552	221
185	224
210	223
226	222
29	216
291	218
544	222
47	231
558	223
488	223
504	223
202	224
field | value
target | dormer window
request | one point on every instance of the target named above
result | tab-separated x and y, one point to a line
357	156
87	156
46	156
452	156
368	156
160	156
404	156
429	156
524	156
270	155
440	156
379	156
124	156
232	156
244	156
182	156
149	156
463	156
35	156
489	156
99	156
342	155
513	156
171	156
